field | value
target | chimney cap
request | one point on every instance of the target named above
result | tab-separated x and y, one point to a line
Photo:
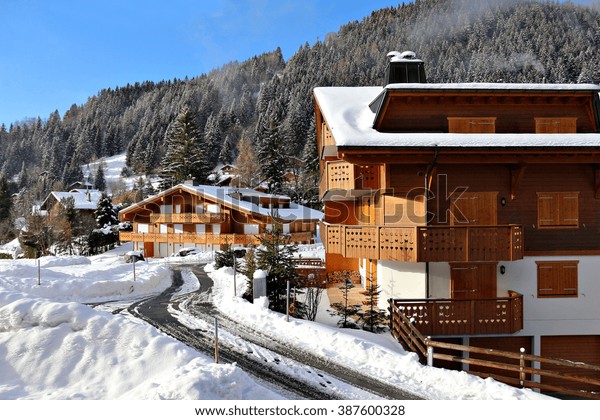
401	56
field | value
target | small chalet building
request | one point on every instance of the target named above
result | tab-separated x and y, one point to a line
476	207
85	201
207	217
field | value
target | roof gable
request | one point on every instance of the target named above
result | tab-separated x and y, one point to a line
350	113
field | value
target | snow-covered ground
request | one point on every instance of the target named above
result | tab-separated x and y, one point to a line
54	347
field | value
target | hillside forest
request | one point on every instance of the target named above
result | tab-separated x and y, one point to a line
259	114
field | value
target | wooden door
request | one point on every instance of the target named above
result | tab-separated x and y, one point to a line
473	280
474	208
149	249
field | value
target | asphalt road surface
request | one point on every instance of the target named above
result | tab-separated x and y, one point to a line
269	361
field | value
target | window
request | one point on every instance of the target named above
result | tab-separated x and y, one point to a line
471	125
557	278
558	209
555	125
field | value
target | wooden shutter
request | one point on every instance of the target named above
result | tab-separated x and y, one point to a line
555	125
471	125
474	208
547	209
558	209
557	278
569	209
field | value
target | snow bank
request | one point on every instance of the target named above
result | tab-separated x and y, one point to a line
375	355
82	279
56	350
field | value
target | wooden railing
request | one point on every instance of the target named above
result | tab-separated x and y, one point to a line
188	218
502	315
425	243
205	238
515	369
341	175
311	270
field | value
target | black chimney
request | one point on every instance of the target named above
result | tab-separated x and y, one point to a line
404	68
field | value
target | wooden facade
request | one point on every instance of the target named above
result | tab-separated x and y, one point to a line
209	217
462	180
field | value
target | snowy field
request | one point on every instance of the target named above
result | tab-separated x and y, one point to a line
53	347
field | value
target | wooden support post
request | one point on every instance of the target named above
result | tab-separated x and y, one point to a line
522	367
516	174
597	182
429	352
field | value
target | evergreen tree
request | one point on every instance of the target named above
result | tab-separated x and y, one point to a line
372	318
225	257
226	154
271	151
186	154
344	308
275	256
5	199
105	213
310	171
99	179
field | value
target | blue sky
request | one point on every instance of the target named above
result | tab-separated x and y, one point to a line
58	52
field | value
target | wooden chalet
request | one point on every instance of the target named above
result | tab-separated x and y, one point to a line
85	201
207	217
474	206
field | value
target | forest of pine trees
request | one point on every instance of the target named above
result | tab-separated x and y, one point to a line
268	102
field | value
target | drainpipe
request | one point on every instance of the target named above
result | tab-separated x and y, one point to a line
427	176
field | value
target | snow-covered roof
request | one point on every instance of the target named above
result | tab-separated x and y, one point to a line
80	197
232	197
350	119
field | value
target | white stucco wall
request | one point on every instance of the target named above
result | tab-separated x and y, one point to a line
558	316
400	280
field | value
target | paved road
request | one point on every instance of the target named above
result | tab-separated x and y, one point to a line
268	360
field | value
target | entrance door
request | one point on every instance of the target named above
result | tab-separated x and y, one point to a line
473	280
474	208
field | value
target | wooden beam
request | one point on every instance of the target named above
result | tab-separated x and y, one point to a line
516	175
465	157
597	182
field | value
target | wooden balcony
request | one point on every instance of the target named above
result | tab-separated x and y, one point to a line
502	315
188	218
425	243
341	175
205	238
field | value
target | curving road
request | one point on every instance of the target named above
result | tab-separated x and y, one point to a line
292	371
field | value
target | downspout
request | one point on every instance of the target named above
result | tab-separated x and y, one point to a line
427	176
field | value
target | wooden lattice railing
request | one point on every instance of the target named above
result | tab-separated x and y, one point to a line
501	315
522	366
425	243
205	238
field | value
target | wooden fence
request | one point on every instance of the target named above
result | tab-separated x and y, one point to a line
519	363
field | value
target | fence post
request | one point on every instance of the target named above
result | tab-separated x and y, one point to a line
429	351
522	367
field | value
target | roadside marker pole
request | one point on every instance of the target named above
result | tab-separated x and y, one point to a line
39	272
234	285
216	341
287	302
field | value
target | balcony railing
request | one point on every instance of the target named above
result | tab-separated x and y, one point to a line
341	175
205	238
425	243
188	218
502	315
